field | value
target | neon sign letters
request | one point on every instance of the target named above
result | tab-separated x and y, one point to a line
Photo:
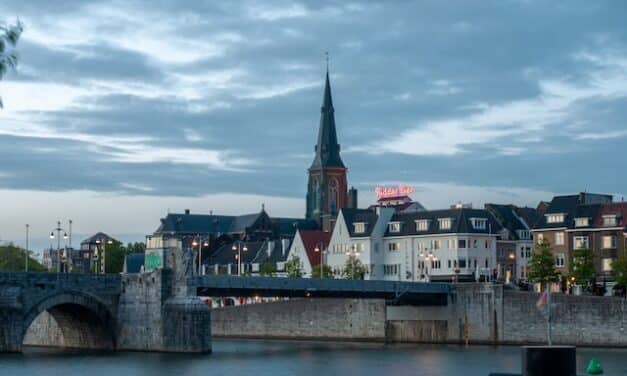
401	190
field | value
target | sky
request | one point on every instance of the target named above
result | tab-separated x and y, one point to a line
123	111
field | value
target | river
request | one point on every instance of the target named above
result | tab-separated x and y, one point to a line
278	358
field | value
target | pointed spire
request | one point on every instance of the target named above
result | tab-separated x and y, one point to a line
327	148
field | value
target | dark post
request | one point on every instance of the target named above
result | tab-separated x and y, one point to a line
549	360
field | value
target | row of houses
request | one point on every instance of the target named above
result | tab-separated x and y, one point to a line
400	240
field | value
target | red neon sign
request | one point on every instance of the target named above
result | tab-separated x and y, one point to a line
401	190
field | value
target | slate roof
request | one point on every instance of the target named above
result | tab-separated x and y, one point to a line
460	222
312	239
226	255
508	218
327	148
367	216
99	235
617	208
287	227
278	254
133	262
572	206
529	215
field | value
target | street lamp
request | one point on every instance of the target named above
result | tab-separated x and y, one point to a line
26	250
352	251
320	248
237	246
104	241
58	229
200	242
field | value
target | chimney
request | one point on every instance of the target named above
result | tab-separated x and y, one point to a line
186	211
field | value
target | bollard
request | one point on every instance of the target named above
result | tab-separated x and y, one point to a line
549	361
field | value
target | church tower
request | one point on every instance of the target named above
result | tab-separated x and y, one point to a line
327	190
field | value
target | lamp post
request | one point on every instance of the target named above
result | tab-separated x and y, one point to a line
26	250
320	248
239	246
104	241
58	229
200	242
352	251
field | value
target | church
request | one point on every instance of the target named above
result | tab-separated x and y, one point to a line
259	238
327	189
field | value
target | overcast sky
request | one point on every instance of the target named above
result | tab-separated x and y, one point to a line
123	110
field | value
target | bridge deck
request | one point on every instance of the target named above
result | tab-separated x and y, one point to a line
398	292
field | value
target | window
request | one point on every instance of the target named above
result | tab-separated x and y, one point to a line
606	264
394	246
609	220
559	260
444	223
435	244
475	243
394	227
391	269
478	223
581	242
609	242
582	222
422	225
559	238
435	264
540	238
461	243
451	244
449	264
528	252
554	218
360	227
524	234
462	263
487	244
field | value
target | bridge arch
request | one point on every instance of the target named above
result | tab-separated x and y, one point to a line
71	319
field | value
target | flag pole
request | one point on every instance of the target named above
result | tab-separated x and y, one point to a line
548	320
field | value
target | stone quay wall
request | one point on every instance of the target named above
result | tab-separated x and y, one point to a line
476	313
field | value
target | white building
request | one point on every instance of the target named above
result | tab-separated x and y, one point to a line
437	245
309	246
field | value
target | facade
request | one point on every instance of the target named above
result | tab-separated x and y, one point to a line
327	188
514	244
456	244
310	247
584	220
208	234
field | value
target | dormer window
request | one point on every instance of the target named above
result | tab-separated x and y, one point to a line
555	218
582	222
394	227
422	225
479	223
360	227
524	234
610	220
444	223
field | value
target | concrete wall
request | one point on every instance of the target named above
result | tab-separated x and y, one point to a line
329	319
44	331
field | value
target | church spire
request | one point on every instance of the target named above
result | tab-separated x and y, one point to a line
327	148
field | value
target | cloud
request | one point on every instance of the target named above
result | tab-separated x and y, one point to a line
601	135
555	104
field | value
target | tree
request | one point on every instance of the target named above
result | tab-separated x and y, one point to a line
12	259
294	268
114	257
9	35
327	272
267	269
542	264
353	268
582	267
137	247
619	266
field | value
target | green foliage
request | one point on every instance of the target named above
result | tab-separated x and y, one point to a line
542	264
353	268
582	267
294	268
619	267
327	272
115	254
9	35
267	269
137	247
12	259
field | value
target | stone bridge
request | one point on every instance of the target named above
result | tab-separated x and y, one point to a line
157	310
